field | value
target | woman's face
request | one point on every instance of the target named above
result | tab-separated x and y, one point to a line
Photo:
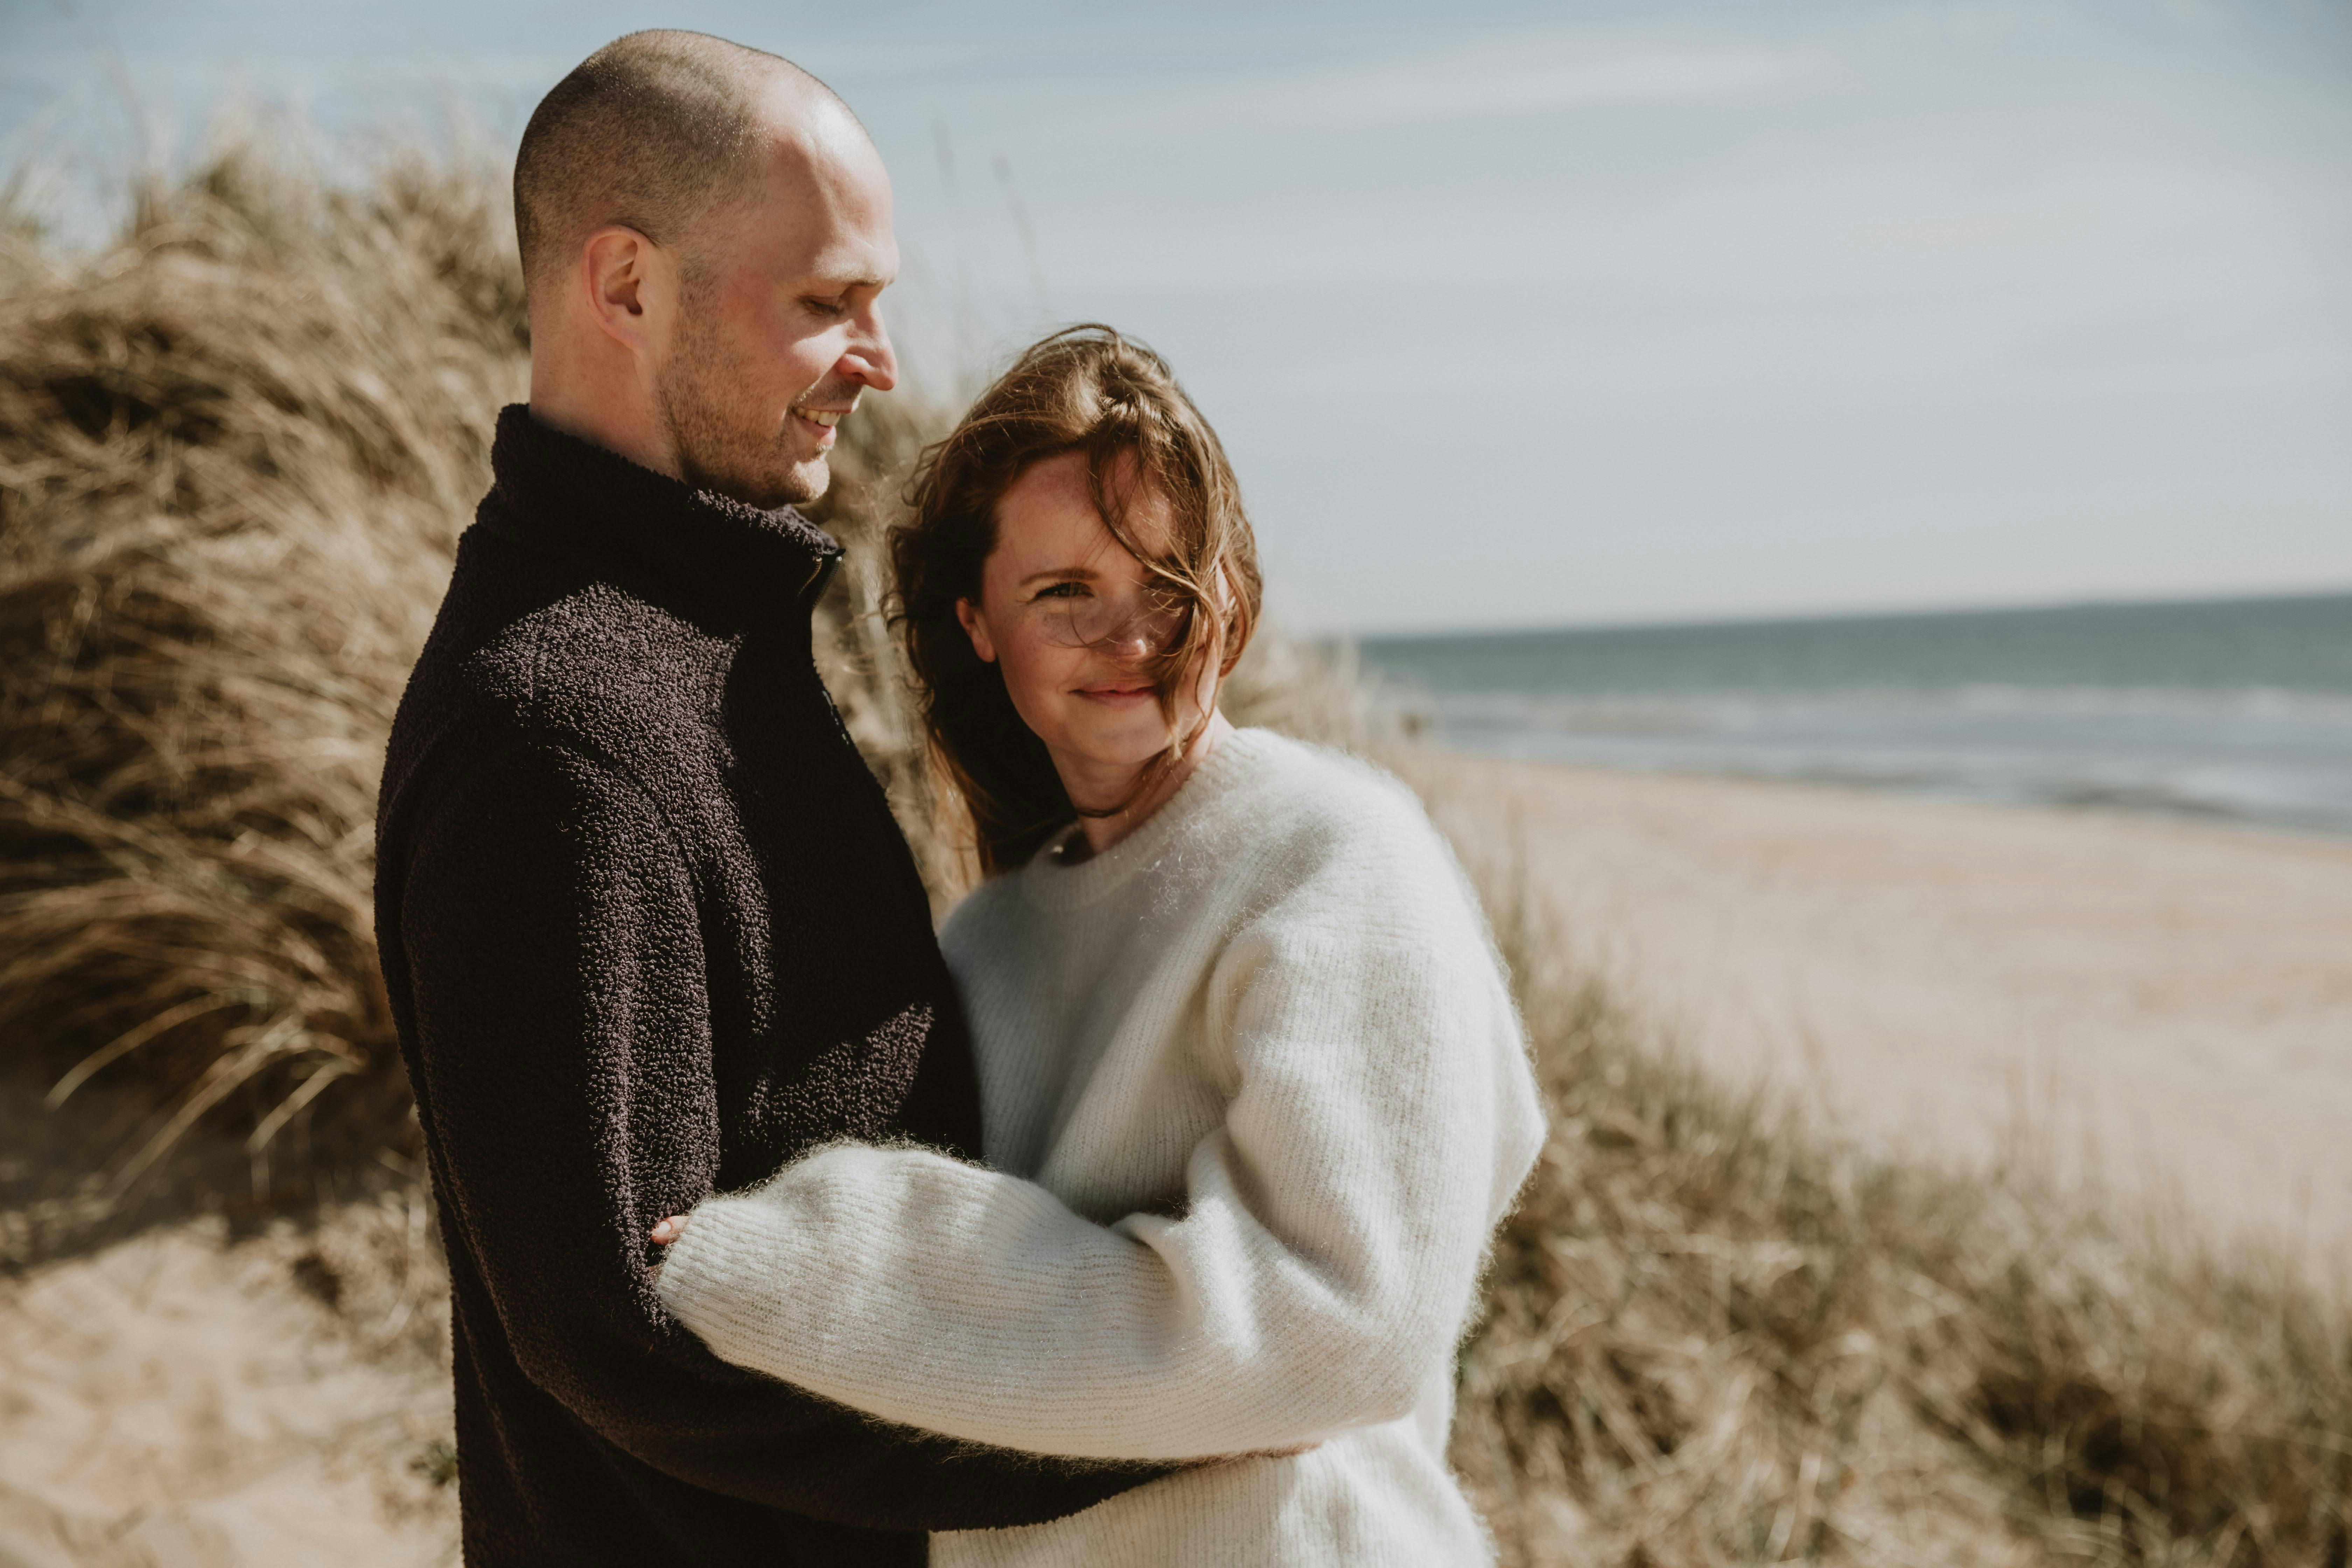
1071	620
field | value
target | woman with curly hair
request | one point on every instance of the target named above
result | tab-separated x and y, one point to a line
1254	1092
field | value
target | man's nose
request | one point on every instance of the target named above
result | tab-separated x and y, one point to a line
870	358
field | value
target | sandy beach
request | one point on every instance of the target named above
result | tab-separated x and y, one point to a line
174	1401
2161	1006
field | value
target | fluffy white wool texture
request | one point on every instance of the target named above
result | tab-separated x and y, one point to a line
1255	1096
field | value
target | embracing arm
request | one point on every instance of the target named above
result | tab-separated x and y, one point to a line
549	935
1317	1280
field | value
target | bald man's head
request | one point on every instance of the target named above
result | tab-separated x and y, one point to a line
706	236
652	131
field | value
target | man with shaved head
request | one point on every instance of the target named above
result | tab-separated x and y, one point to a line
647	926
705	233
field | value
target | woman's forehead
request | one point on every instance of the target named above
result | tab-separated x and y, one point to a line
1046	517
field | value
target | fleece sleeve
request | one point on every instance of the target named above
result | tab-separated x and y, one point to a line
562	1067
1317	1278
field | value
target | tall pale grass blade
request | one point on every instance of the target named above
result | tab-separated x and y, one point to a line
131	1040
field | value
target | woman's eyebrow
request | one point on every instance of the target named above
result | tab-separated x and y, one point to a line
1059	574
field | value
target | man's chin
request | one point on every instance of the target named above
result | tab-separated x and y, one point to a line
794	486
811	479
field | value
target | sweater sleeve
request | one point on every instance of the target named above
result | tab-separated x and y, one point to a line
1316	1281
562	1067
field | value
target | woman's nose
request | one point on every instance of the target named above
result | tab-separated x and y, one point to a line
1145	634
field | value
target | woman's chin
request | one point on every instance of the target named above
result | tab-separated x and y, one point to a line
1109	751
1101	746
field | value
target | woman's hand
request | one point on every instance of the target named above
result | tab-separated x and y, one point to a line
668	1230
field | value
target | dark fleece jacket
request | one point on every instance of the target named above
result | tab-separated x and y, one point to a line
650	932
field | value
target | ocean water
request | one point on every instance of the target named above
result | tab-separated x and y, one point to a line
2233	710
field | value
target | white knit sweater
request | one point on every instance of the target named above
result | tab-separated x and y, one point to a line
1256	1096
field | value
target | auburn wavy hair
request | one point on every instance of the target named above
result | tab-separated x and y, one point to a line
1088	389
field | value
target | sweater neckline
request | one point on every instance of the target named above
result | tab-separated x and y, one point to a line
1052	885
721	562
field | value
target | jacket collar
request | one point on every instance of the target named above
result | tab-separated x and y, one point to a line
719	561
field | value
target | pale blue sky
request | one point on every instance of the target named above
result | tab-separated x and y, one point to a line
1522	315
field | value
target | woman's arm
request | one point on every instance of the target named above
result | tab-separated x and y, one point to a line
1316	1279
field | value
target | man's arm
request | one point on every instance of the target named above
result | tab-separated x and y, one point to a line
556	973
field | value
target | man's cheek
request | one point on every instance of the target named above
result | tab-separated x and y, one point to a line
793	355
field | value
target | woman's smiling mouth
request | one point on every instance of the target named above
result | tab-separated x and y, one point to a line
1120	695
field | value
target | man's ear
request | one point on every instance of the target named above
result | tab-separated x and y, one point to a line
627	278
975	627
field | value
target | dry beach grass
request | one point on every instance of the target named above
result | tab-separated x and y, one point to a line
234	450
1717	1337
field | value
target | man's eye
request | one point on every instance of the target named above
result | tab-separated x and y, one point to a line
831	310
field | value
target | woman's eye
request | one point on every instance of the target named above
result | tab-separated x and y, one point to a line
1064	591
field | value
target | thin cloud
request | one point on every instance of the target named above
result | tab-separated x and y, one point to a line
1527	76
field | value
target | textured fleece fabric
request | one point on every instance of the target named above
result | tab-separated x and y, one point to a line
1256	1094
649	932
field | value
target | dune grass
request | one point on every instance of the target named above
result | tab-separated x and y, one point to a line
235	449
1715	1336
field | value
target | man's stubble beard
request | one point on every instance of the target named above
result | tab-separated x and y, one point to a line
719	445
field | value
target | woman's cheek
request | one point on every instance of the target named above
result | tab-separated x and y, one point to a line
1032	677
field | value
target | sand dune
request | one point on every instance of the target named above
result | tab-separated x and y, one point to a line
173	1401
2162	1007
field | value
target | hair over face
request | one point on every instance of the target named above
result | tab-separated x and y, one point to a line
1090	390
652	131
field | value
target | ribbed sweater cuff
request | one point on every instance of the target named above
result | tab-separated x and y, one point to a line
728	1239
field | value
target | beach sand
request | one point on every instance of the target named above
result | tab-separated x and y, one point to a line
179	1400
2161	1007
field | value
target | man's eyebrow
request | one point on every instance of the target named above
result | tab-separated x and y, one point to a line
847	282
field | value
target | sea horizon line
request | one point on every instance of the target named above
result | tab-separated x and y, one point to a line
1740	621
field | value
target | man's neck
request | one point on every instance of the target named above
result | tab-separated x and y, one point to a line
601	404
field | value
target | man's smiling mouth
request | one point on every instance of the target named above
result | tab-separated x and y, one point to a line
821	423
